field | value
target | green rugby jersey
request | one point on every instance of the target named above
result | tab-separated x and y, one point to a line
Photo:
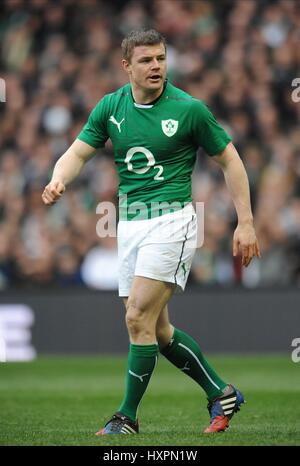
154	145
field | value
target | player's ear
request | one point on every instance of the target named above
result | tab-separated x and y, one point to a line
126	65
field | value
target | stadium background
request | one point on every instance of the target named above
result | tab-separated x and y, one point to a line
58	279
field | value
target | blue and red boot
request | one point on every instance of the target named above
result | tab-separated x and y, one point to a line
119	424
222	409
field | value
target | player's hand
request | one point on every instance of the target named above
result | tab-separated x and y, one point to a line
245	243
52	192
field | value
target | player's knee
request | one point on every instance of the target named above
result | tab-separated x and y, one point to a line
136	321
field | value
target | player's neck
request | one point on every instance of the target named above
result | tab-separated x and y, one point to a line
144	97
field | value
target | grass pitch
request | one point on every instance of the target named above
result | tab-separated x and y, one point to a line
63	401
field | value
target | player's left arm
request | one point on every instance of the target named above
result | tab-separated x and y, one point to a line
244	238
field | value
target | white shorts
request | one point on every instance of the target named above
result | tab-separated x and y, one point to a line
161	248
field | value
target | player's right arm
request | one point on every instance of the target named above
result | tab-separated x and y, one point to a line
66	169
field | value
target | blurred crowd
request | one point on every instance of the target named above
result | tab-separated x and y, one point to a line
59	58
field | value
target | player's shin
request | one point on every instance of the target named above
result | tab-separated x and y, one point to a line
184	352
142	360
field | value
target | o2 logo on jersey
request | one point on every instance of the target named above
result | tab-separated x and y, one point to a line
150	162
169	127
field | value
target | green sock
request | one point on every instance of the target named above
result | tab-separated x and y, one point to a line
142	360
184	352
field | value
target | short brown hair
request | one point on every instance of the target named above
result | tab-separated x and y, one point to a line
140	37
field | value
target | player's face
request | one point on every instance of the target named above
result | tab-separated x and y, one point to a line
147	68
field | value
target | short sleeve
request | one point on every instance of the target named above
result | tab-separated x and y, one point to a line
94	132
207	132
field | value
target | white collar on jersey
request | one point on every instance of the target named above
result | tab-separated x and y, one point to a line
142	105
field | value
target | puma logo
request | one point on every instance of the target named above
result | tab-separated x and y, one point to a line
138	376
185	368
115	122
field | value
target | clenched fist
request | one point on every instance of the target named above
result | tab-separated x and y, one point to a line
52	192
